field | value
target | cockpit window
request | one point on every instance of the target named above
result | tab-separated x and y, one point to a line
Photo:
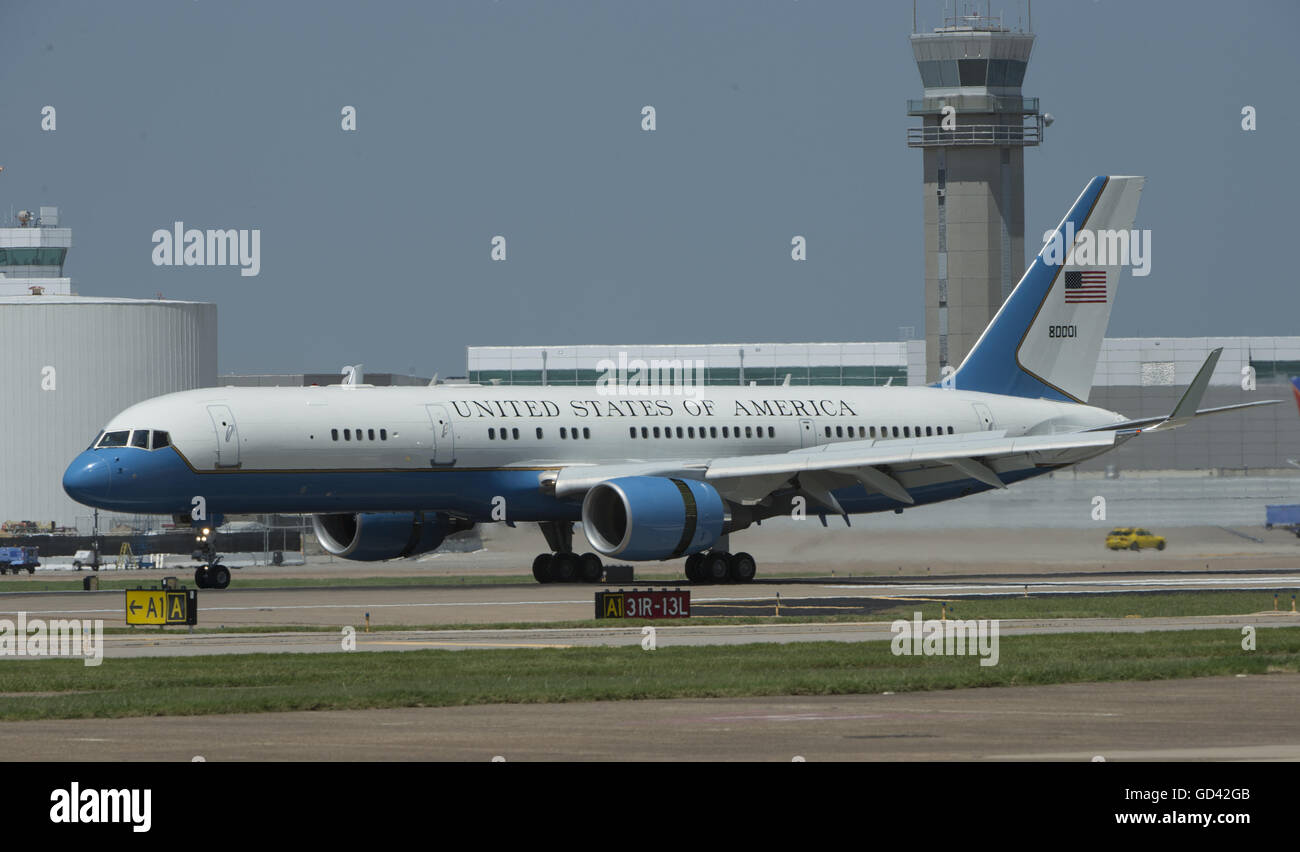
113	439
140	438
161	439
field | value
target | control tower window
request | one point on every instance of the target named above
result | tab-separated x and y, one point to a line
974	72
114	439
1006	72
946	70
140	438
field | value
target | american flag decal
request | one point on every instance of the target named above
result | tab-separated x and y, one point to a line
1085	286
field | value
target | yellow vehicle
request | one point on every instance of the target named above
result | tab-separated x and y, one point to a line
1133	538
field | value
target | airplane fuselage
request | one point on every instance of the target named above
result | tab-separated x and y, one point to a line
458	449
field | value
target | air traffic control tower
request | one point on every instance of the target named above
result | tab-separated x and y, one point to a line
975	126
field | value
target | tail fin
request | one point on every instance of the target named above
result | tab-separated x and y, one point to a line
1045	339
1295	388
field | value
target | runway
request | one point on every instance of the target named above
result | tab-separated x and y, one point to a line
180	644
447	606
1220	718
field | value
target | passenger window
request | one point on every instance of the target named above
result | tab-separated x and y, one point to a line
492	434
586	432
383	434
161	439
360	435
828	431
347	434
631	431
140	438
907	432
713	431
539	433
564	432
949	430
690	431
645	433
839	432
771	431
668	431
514	433
873	431
895	431
928	433
724	432
679	431
334	434
114	439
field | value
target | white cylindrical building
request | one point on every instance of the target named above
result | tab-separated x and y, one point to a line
69	364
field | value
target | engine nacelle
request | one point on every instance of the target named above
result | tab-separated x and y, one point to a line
653	517
372	536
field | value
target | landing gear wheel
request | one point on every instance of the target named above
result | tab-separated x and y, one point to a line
542	568
714	567
564	567
201	577
741	568
219	577
590	568
693	567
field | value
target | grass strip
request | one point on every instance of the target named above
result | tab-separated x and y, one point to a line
254	683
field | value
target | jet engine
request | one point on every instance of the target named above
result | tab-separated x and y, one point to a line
372	536
653	517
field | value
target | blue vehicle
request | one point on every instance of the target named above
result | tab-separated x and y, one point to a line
1286	517
17	558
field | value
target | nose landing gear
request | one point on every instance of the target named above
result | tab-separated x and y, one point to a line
211	574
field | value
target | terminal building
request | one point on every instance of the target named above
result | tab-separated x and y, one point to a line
71	362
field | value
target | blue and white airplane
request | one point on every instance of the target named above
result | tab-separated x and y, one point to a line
390	472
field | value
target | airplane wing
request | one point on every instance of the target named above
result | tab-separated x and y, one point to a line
882	466
1186	411
891	466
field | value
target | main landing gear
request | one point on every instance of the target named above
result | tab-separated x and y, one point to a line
562	565
718	566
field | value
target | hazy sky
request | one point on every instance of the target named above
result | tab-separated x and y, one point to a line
523	119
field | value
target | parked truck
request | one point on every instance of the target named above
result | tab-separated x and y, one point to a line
1286	517
19	558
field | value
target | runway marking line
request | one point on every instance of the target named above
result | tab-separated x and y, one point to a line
470	644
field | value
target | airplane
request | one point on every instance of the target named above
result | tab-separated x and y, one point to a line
652	471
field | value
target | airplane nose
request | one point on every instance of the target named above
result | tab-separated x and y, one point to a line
86	479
